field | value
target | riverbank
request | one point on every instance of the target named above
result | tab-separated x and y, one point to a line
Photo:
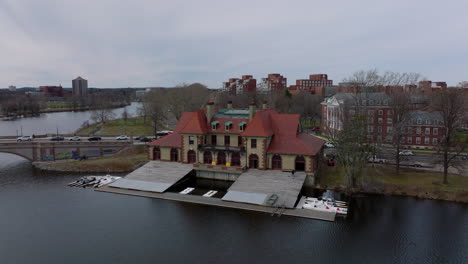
125	161
135	126
381	179
58	110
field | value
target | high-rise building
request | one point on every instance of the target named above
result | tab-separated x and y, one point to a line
247	84
274	82
80	86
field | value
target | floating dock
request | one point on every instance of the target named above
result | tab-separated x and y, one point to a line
311	214
269	191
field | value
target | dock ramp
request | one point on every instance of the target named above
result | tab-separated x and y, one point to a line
267	187
154	176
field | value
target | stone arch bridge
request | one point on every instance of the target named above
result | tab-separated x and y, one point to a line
51	151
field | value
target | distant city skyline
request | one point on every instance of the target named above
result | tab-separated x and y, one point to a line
149	43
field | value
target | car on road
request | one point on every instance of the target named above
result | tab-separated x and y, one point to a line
57	138
75	138
329	145
145	139
24	138
331	162
375	159
94	138
122	137
464	157
406	153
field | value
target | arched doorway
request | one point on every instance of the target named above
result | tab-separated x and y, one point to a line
207	158
276	162
221	158
300	163
235	159
253	161
156	153
174	155
191	156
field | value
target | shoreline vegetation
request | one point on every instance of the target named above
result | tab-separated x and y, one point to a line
126	160
382	179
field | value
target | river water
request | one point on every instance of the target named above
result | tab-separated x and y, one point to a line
44	221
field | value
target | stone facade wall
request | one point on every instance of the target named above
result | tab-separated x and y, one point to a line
260	150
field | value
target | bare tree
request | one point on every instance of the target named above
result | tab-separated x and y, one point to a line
450	103
186	98
125	115
156	109
399	104
104	113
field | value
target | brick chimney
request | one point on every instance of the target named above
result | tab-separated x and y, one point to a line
252	107
229	105
264	105
209	111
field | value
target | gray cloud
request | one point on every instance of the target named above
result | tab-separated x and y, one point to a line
164	43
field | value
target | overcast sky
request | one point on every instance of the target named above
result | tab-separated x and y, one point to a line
141	43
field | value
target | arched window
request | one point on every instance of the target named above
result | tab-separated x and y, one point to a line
253	161
156	153
207	159
191	156
276	162
235	159
174	155
300	163
221	158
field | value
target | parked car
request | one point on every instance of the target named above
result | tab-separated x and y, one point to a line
315	128
329	145
464	158
122	137
331	162
24	138
406	153
57	138
374	159
94	138
138	138
145	139
75	138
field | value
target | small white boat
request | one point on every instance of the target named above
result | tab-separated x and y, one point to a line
210	193
187	190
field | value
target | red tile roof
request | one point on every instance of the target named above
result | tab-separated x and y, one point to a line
287	141
174	139
197	124
260	126
302	144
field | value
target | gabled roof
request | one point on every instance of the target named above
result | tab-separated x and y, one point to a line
260	126
197	124
174	139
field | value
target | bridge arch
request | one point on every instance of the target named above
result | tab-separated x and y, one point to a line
17	154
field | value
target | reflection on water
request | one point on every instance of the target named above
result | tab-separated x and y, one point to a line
64	122
44	221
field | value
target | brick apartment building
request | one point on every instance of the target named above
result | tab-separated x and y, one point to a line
316	84
232	140
56	91
274	82
423	129
246	84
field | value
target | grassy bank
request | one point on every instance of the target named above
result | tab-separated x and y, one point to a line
124	161
411	182
133	126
